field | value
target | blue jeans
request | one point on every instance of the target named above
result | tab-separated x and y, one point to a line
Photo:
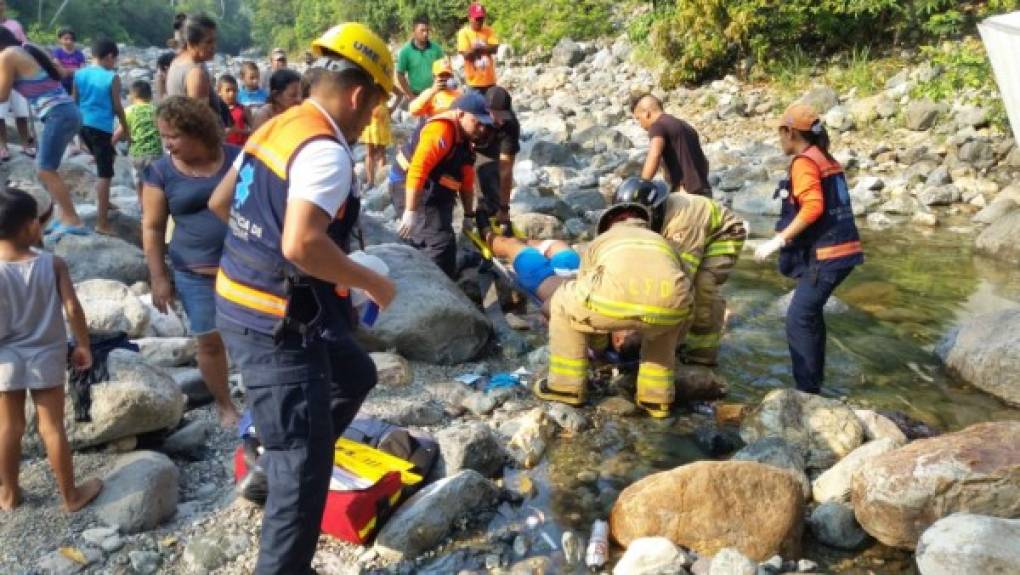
805	326
302	393
197	293
60	125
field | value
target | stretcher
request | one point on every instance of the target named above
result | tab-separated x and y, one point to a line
499	267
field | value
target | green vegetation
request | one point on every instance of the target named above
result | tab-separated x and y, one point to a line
963	71
139	22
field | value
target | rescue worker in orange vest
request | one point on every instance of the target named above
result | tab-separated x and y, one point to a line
281	290
441	96
478	44
708	237
630	278
435	166
816	238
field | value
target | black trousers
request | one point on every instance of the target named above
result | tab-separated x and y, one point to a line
434	235
302	393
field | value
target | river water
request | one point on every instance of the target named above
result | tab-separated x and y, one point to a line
902	301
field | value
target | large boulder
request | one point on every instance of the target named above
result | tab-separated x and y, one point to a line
1001	239
777	453
920	115
472	446
139	493
102	257
423	521
430	320
900	494
567	53
821	98
137	398
967	543
168	351
110	306
710	505
834	484
985	352
824	430
538	226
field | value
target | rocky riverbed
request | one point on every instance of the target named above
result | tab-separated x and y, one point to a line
923	342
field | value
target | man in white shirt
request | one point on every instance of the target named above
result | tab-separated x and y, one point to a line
281	304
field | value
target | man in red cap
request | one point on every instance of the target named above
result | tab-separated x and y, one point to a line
478	44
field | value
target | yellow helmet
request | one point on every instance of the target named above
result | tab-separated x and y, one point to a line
359	44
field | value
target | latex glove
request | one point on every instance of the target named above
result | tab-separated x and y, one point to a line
768	248
408	223
468	225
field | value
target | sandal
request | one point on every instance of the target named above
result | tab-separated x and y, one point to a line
59	229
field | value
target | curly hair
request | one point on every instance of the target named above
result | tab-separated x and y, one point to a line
193	118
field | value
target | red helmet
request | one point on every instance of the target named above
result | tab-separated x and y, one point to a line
476	11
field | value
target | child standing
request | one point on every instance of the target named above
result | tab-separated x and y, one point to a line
251	94
97	92
240	117
146	147
33	349
69	56
377	138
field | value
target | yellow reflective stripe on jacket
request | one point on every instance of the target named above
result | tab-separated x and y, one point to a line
715	218
724	248
568	366
650	314
248	297
658	246
702	341
691	260
654	374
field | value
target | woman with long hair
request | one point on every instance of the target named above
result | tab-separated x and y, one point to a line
188	74
31	72
284	93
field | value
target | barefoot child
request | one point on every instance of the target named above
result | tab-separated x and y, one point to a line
33	349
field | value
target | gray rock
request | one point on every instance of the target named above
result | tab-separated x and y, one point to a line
878	426
168	351
824	430
472	446
538	226
920	115
757	199
547	205
729	561
940	195
984	351
102	257
570	419
806	566
205	554
424	521
998	208
777	453
190	439
137	398
977	153
834	484
652	556
479	403
430	320
840	119
567	53
821	98
56	563
97	535
1001	240
161	324
110	306
145	562
546	153
582	201
139	493
833	523
547	126
901	205
392	370
972	116
939	177
968	543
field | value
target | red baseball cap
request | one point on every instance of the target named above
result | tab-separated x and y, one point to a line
476	11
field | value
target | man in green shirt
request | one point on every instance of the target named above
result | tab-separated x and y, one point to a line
414	62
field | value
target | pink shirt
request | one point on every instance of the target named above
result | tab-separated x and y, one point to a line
16	29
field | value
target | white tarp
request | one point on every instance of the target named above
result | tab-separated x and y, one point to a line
1001	35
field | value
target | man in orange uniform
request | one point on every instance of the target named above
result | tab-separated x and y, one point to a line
478	44
435	166
440	96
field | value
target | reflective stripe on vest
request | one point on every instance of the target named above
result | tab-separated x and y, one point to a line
649	314
724	248
449	183
838	250
691	260
568	367
249	297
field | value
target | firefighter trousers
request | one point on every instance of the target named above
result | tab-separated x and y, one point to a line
701	345
570	325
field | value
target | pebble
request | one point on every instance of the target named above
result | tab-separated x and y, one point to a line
112	543
97	535
806	566
617	406
145	562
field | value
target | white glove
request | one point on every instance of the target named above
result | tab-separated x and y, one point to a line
408	223
768	248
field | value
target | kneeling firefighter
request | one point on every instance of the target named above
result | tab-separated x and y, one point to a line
708	237
282	303
629	279
433	169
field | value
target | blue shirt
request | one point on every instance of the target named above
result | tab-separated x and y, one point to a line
94	97
247	97
197	240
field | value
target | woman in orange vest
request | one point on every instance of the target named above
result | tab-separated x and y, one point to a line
816	238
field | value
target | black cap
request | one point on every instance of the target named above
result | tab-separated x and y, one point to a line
474	104
500	103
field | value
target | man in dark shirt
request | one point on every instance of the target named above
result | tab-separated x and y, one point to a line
675	143
495	164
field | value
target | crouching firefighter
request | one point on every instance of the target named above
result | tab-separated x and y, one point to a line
433	169
281	303
629	279
708	238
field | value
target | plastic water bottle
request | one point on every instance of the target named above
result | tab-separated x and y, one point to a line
366	308
598	545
